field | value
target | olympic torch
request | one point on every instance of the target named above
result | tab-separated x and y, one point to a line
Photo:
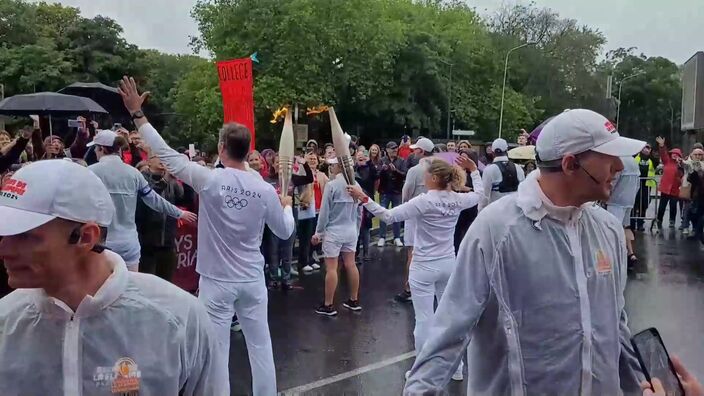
286	154
342	148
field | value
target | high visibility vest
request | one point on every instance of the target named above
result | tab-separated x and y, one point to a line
651	171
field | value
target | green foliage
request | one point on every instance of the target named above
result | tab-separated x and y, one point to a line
388	66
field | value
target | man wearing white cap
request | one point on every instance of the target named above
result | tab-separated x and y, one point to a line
538	286
234	207
125	185
80	323
413	186
502	176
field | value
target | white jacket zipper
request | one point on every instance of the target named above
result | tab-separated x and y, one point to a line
71	357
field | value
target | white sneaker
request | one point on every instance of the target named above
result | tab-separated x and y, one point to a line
294	271
307	269
236	326
315	266
381	242
398	242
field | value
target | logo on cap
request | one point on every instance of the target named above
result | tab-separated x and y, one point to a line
13	189
610	127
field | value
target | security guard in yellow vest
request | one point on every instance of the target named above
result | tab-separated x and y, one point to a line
647	169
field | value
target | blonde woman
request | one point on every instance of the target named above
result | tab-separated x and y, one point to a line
436	213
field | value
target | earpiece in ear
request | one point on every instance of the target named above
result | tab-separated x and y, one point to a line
75	236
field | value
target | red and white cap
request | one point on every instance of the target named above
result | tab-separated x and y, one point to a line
580	130
46	190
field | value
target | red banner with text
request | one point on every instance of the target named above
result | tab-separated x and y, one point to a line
237	87
185	275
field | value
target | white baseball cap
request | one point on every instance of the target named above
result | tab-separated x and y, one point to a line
105	138
499	144
580	130
46	190
424	144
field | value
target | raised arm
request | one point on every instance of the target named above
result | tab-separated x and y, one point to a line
178	165
473	198
15	152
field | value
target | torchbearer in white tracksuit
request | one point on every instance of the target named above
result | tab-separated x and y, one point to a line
234	207
80	323
537	295
338	229
413	186
435	214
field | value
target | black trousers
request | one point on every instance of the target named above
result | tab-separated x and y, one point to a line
306	228
640	206
159	261
664	201
466	218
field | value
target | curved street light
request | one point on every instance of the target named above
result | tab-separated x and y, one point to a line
503	90
620	84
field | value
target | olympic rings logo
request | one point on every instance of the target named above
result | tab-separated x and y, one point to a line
235	202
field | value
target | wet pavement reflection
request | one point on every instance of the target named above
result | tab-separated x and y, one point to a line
363	353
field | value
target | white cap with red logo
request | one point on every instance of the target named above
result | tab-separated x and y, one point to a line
580	130
46	190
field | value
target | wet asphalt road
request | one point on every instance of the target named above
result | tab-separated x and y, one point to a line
363	353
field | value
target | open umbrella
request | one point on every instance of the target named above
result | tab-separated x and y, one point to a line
104	95
49	104
533	137
522	153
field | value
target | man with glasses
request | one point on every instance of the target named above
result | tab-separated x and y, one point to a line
80	323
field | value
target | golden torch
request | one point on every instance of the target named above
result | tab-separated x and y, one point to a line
286	154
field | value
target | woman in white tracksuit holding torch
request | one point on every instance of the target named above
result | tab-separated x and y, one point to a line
436	213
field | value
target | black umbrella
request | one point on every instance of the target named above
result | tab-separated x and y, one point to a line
49	104
104	95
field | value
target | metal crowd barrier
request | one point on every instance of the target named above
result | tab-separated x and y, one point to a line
645	208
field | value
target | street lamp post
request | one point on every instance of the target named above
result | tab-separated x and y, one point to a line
620	85
503	90
449	97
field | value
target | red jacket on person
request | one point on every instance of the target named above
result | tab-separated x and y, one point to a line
404	151
671	173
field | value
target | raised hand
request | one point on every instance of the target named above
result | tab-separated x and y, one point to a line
660	140
466	164
130	96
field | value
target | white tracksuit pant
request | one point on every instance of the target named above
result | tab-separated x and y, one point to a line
427	280
249	300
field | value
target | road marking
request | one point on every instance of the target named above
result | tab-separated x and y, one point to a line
343	376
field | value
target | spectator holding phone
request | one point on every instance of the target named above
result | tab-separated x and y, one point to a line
692	386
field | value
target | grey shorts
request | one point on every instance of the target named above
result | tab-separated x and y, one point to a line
333	248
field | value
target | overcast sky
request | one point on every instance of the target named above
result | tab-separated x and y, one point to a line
673	29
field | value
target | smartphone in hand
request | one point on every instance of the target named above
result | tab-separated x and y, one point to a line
655	361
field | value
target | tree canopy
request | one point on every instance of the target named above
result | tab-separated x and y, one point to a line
390	67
